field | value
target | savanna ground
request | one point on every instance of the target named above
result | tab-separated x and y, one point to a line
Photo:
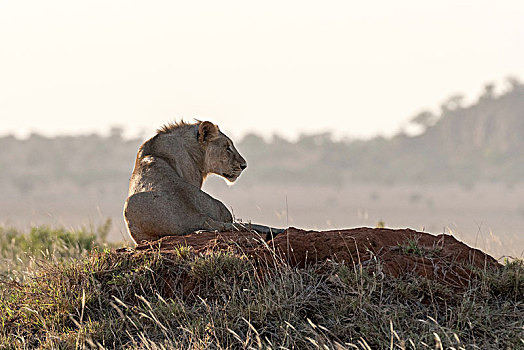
66	289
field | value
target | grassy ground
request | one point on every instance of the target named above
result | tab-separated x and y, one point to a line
20	252
99	298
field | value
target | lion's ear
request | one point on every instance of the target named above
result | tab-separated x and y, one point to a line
207	131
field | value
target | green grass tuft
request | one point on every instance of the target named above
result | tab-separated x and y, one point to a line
20	252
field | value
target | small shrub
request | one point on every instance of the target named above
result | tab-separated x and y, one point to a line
411	247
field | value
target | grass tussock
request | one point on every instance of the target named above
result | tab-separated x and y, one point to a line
221	300
20	252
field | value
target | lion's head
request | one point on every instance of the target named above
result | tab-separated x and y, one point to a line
221	156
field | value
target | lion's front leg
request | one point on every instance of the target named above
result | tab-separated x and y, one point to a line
270	232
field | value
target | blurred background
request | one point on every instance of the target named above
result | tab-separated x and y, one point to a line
403	114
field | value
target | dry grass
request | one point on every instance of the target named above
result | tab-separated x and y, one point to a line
222	301
21	252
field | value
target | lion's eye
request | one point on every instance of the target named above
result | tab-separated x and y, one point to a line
229	149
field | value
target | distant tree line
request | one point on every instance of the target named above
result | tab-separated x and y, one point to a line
480	142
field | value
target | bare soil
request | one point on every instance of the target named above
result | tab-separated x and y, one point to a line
393	252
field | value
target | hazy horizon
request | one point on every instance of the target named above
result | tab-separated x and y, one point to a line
357	69
143	131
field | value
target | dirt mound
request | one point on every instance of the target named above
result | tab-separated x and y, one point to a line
394	252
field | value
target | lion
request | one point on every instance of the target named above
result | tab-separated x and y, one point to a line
165	196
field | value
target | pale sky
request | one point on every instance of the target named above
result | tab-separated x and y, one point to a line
357	68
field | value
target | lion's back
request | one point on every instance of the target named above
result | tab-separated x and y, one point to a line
161	203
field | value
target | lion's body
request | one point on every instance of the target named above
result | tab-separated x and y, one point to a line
164	191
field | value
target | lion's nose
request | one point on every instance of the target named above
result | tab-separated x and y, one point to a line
243	166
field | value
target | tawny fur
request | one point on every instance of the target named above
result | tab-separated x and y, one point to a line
164	191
